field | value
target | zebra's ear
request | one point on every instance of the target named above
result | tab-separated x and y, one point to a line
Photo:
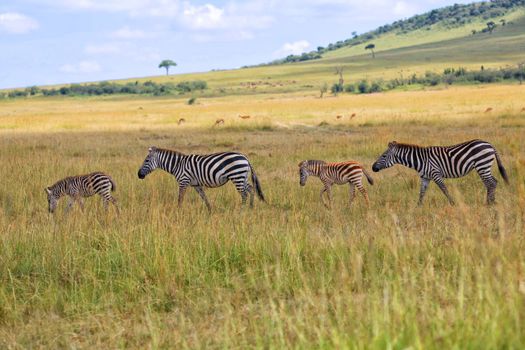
48	190
392	144
152	149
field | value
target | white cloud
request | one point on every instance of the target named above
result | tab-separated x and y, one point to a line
13	22
294	48
132	7
128	33
81	67
203	17
404	9
102	49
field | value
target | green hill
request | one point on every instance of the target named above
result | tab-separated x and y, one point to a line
432	48
430	42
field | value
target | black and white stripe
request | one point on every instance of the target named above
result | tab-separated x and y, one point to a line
340	173
198	171
77	187
439	162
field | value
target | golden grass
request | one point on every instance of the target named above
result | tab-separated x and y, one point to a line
288	274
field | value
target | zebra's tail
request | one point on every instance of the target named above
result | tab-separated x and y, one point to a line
257	185
368	177
502	170
113	186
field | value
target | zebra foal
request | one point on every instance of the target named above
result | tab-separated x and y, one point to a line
440	162
77	187
198	171
335	173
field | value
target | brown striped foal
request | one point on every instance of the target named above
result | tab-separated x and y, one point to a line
335	173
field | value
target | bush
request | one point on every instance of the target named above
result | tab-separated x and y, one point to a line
336	88
350	88
107	88
363	87
192	101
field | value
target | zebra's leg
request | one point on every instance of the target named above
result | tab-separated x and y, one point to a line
352	192
80	203
323	190
70	204
328	189
249	189
364	193
423	190
490	183
182	190
201	193
114	202
242	186
439	181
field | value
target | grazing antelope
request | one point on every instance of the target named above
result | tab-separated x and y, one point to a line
198	171
488	110
339	116
218	122
244	116
181	120
335	173
440	162
352	116
77	187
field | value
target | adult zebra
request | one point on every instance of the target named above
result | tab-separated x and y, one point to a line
198	171
439	162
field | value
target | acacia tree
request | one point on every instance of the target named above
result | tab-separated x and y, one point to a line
371	47
323	89
167	64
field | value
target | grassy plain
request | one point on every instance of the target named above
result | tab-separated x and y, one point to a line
288	274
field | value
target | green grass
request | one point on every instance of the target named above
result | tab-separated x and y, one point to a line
288	274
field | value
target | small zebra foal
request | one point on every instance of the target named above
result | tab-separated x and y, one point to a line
80	186
335	173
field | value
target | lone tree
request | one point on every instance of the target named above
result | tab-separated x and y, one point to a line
167	64
323	89
371	47
491	26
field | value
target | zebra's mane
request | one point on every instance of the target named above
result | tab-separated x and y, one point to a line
408	145
312	162
165	150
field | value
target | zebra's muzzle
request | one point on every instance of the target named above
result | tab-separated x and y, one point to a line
141	175
375	168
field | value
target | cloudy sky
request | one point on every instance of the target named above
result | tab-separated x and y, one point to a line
58	41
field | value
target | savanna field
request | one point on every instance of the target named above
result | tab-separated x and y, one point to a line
287	274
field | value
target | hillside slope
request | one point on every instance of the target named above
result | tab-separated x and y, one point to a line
411	53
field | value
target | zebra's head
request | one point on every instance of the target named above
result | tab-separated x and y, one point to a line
386	160
303	172
150	163
52	200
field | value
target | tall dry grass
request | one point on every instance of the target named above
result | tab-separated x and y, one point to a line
288	274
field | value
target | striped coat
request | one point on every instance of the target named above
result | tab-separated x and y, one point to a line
335	173
77	187
435	163
199	171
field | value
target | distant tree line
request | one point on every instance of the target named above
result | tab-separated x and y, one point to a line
450	16
448	77
107	88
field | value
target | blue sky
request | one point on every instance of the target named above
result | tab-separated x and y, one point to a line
60	41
